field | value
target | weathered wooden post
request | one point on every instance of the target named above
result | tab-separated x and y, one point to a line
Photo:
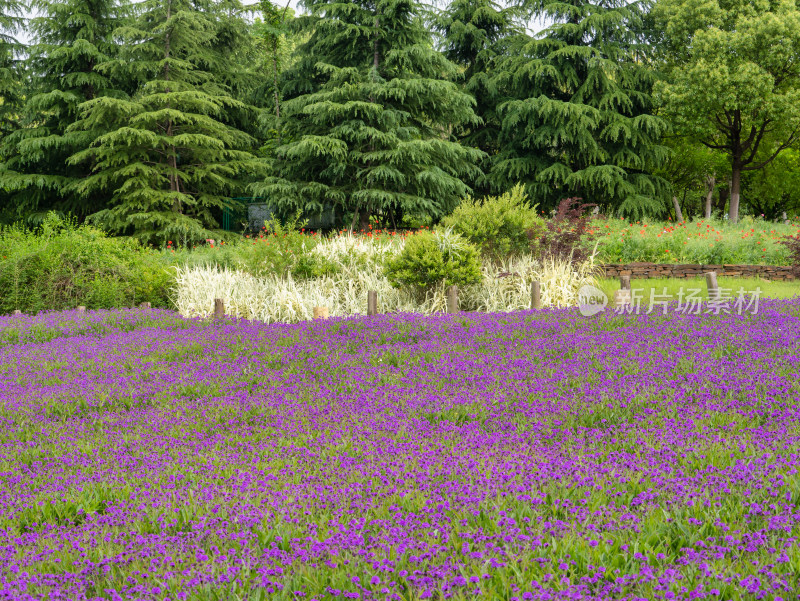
785	218
320	312
17	312
452	299
625	282
372	302
711	284
145	305
219	308
81	309
536	295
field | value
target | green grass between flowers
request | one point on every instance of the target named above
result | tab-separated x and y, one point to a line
672	287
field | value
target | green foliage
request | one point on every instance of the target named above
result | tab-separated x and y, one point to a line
475	35
733	79
705	241
283	250
498	225
367	117
173	156
62	265
73	37
429	259
10	89
775	189
579	120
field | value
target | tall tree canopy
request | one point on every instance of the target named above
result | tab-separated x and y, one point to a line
10	23
151	117
579	122
734	80
73	38
476	34
170	161
368	117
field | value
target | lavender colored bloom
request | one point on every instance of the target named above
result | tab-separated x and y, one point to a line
539	455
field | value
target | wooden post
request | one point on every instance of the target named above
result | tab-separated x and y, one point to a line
372	302
625	282
452	299
81	309
536	295
622	297
711	284
785	218
320	312
219	308
145	305
17	312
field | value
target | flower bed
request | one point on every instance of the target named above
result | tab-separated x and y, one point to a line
514	456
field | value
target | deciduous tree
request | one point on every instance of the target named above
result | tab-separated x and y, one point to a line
734	78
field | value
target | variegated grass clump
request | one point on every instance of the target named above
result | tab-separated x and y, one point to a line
504	287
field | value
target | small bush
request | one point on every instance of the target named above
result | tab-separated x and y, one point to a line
500	226
282	250
568	234
432	258
61	265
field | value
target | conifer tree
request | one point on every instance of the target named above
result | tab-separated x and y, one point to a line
272	33
72	38
368	117
476	35
10	92
579	122
10	79
171	158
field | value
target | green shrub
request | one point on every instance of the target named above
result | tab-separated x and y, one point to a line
282	250
431	258
61	265
499	225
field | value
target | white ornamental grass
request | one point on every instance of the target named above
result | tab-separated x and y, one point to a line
504	287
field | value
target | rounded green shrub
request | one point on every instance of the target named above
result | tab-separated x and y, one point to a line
432	258
498	225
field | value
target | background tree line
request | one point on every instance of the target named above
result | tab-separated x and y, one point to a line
151	117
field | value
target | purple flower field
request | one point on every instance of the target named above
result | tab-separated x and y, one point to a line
512	456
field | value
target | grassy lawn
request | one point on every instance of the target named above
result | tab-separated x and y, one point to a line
673	286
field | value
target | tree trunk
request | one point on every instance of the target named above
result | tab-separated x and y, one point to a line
711	183
736	182
724	194
363	218
172	161
277	97
375	49
677	205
